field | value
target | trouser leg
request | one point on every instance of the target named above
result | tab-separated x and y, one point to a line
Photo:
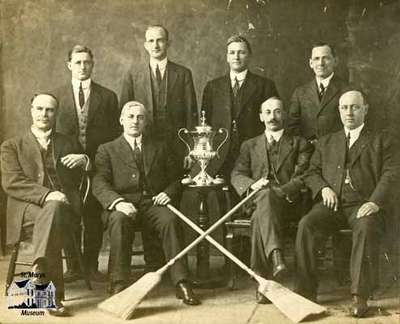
165	223
120	232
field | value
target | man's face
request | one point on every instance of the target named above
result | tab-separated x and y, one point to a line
238	56
81	66
272	114
322	61
156	43
43	111
133	120
352	109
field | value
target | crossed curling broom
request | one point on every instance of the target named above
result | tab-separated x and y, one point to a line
294	306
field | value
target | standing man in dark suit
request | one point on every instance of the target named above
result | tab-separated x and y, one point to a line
166	90
41	175
135	178
353	176
88	112
233	102
313	110
277	159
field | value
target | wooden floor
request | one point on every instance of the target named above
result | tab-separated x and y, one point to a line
218	305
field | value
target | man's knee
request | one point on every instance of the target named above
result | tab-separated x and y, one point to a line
367	225
117	218
59	211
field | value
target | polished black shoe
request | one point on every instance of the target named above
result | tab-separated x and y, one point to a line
97	276
359	308
116	287
72	275
261	299
279	268
185	292
60	310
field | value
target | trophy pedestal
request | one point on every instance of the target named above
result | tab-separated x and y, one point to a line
204	278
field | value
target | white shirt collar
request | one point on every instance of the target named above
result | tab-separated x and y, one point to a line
38	133
161	64
85	83
131	140
275	135
240	76
325	82
354	133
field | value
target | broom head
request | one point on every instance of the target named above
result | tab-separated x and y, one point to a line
124	303
294	306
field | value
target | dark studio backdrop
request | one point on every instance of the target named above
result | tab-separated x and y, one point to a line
36	36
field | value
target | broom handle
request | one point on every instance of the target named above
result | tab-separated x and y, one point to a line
205	233
213	242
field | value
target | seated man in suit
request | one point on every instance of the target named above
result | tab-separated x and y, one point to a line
277	158
353	174
41	175
135	178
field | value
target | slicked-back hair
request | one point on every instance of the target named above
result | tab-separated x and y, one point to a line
79	49
133	104
270	98
357	88
45	94
239	39
320	44
158	26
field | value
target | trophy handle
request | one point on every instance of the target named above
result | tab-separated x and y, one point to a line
221	131
181	138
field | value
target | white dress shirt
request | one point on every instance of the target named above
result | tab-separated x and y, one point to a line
354	134
162	65
325	82
42	137
241	76
274	135
86	89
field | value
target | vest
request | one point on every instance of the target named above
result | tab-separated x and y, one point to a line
159	96
272	156
82	114
349	194
51	178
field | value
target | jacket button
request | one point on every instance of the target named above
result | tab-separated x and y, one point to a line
133	176
338	167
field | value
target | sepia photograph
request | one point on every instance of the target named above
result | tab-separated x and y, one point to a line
221	161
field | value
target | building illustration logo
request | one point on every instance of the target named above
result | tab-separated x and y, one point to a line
25	294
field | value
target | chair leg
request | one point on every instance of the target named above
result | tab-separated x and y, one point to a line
11	267
81	264
229	264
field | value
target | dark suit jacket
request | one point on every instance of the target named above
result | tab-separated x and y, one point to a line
252	163
374	173
181	97
117	174
23	174
103	116
217	103
312	118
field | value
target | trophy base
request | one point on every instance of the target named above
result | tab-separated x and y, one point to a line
203	179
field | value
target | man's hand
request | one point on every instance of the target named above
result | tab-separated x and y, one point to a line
278	191
74	160
126	208
367	209
57	195
187	162
263	182
330	198
161	199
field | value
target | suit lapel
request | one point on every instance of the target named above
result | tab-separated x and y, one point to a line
359	145
70	108
225	93
125	153
32	149
56	146
285	147
144	88
331	91
312	94
247	90
261	152
339	150
149	152
171	78
94	102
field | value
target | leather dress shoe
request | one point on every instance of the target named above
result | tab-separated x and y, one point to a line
116	287
279	268
261	299
60	310
185	292
72	275
97	276
359	308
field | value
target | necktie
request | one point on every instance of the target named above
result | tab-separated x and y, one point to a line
348	140
272	142
81	96
236	87
158	75
321	91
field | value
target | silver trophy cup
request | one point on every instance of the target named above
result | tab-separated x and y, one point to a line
202	151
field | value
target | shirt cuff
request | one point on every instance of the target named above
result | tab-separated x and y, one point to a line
114	203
